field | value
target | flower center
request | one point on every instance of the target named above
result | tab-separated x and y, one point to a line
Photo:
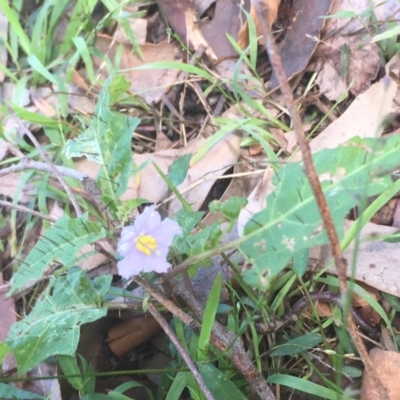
146	244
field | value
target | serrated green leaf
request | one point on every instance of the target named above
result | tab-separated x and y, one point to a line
60	243
53	326
297	345
291	221
107	141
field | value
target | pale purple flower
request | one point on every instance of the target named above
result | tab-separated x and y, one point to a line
144	245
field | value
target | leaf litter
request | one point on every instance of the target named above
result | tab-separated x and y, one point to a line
178	118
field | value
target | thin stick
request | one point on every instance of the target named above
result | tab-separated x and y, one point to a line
25	210
189	362
88	184
225	341
46	158
311	174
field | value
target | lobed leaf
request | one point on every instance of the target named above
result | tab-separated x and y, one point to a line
53	326
291	221
107	141
60	243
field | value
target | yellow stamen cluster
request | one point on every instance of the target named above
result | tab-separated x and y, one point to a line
146	244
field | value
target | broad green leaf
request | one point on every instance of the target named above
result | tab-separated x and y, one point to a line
53	326
60	243
118	86
230	208
297	345
12	392
218	384
178	169
69	366
291	221
107	141
300	262
304	386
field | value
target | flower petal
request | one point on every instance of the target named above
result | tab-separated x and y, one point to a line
148	220
146	224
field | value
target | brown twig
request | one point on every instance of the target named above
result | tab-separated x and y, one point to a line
88	184
185	356
220	337
231	345
311	174
25	210
46	158
292	316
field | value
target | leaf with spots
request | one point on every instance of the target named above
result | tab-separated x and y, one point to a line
53	326
291	222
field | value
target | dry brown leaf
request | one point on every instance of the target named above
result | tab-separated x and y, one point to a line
243	36
363	118
364	61
301	36
148	84
43	106
9	185
378	263
387	368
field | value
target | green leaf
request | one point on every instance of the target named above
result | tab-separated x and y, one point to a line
4	350
60	243
297	345
188	220
304	386
178	169
230	208
218	384
118	86
200	241
12	392
352	371
291	221
209	318
300	262
177	387
107	141
70	367
387	34
53	326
